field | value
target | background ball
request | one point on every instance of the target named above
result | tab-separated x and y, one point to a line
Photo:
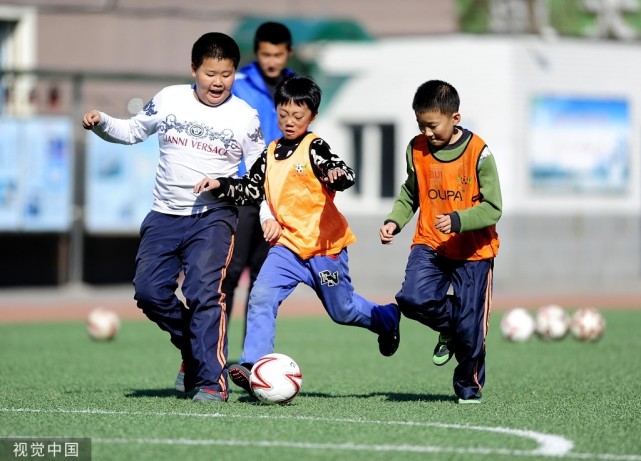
587	324
517	325
276	379
552	322
102	324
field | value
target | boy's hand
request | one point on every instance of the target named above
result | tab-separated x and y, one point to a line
271	230
333	175
206	185
443	223
387	233
90	119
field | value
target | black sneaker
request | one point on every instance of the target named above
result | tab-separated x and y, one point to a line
442	351
239	374
388	341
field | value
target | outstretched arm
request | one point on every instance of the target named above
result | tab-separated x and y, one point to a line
125	131
206	184
90	119
245	190
406	202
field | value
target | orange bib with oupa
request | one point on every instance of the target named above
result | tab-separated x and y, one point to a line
450	186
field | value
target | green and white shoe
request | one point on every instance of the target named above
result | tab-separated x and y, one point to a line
474	400
442	351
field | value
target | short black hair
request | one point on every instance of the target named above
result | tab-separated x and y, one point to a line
215	45
300	90
436	95
274	33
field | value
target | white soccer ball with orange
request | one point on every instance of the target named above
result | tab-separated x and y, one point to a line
517	325
552	322
587	324
102	324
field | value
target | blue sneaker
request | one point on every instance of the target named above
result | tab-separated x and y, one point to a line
205	395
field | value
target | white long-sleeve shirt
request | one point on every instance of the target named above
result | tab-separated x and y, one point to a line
195	141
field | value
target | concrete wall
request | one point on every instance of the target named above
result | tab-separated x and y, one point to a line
538	256
552	240
565	242
496	79
156	37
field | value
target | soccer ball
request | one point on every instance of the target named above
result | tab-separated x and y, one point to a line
517	325
552	322
276	378
102	324
587	324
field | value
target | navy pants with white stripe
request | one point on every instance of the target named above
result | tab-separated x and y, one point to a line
199	245
463	316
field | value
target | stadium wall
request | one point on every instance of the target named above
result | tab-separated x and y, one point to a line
562	120
581	233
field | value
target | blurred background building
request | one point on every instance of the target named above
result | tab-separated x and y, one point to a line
551	85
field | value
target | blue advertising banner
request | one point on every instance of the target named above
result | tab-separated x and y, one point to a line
579	145
120	181
35	174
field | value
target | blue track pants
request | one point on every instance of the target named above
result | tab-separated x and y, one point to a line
328	276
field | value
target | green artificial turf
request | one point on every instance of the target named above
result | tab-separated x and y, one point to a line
543	400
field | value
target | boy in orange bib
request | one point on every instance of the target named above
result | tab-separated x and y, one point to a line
452	179
298	176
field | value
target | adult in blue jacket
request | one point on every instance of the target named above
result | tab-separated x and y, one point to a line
255	83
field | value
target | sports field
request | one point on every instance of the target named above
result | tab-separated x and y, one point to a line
542	400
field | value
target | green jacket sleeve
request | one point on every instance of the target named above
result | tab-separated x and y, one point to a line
488	212
407	202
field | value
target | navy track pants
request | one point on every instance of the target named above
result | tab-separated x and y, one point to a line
463	315
200	246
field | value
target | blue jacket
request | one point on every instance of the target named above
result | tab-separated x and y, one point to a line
250	86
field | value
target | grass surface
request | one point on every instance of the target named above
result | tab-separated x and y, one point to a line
542	400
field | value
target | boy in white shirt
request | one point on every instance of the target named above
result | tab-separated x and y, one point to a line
203	131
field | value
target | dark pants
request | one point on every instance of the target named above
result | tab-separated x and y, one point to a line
250	251
198	245
463	316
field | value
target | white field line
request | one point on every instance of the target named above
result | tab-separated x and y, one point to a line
549	445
